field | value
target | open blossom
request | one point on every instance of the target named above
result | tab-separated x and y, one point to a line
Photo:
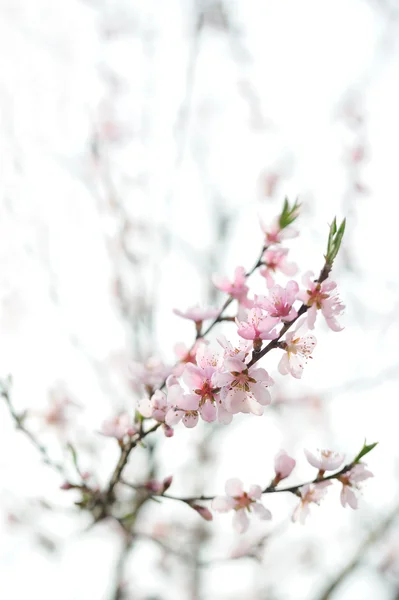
242	503
150	373
283	466
274	234
350	481
118	427
280	301
243	389
311	493
237	288
298	349
258	326
186	355
242	351
197	314
154	407
276	260
202	400
321	296
326	460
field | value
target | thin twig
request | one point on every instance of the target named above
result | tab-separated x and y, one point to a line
19	422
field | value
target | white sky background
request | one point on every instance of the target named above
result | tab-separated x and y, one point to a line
268	97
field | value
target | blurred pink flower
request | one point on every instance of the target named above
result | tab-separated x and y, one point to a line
237	288
118	427
197	314
275	235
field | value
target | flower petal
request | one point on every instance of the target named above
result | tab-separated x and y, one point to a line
240	521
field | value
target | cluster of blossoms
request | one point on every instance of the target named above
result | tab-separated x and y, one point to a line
246	503
216	384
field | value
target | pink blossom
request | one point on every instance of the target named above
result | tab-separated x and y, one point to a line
350	481
258	326
276	260
283	466
150	373
275	235
154	407
297	351
242	389
242	503
118	427
197	314
280	301
237	288
242	351
321	296
186	355
311	493
202	399
326	460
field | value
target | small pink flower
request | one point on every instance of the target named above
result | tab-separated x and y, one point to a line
242	351
327	460
350	481
321	296
150	373
297	351
276	260
258	326
275	235
186	355
242	389
242	503
154	407
283	466
118	427
280	301
197	314
237	288
311	493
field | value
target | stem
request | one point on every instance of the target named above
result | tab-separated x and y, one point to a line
294	489
18	420
324	273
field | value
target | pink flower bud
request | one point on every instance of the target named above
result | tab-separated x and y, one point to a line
167	482
168	431
154	486
66	486
283	465
203	512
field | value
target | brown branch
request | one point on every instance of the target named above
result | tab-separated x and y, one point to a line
19	423
271	489
124	456
324	273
